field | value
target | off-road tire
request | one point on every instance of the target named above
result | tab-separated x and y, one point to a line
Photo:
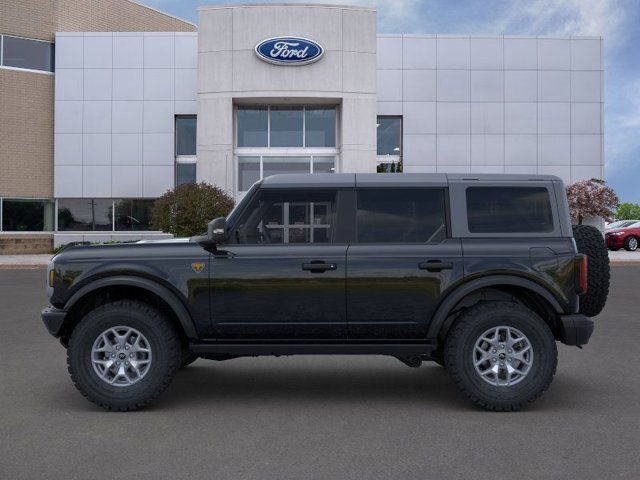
188	357
460	344
590	242
627	244
165	347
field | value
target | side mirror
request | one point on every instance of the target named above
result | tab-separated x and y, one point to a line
217	230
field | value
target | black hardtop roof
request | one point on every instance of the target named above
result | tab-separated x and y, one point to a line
345	180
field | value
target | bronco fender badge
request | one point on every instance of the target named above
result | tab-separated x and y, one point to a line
197	267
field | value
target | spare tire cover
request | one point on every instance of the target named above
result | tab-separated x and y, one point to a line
590	242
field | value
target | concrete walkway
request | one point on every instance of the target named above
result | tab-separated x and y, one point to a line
24	261
621	257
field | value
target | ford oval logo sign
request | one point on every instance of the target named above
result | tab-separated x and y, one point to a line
289	51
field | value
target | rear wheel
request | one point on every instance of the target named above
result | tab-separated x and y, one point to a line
123	354
590	242
631	244
501	355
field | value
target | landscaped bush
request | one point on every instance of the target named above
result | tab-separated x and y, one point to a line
186	210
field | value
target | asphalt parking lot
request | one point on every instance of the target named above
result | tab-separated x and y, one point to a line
319	417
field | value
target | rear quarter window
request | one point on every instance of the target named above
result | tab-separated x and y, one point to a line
509	210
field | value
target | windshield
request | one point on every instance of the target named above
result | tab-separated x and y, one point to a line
238	208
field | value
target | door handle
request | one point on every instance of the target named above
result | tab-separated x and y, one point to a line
435	266
318	267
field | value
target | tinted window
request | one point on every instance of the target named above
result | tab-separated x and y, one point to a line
389	132
25	53
27	215
288	217
185	173
85	214
286	127
253	126
401	215
133	215
509	210
186	135
320	127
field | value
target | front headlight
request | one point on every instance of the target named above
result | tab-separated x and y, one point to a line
616	233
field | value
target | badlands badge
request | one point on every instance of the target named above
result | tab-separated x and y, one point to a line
197	267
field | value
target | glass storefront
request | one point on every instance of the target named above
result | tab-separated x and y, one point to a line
284	139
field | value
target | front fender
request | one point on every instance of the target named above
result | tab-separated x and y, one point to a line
176	305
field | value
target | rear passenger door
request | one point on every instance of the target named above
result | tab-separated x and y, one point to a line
401	262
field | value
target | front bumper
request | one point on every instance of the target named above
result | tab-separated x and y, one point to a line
53	319
575	329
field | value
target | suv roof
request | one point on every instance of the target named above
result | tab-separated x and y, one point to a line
324	180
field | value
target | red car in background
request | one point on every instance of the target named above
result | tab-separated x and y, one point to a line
627	237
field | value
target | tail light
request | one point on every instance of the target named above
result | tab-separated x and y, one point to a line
582	268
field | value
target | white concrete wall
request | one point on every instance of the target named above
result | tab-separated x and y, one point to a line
116	95
230	71
495	104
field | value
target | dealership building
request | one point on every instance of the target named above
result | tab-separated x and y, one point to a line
113	107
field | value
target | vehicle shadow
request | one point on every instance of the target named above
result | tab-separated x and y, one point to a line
218	383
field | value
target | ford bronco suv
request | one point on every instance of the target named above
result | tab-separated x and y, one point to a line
479	273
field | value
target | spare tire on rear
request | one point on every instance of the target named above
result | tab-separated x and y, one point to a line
590	242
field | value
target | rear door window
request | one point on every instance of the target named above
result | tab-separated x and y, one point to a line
410	215
509	210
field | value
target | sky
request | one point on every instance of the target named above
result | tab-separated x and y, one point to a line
617	21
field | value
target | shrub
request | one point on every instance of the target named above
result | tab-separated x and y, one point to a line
186	210
591	198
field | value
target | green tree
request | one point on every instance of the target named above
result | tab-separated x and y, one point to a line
628	211
186	210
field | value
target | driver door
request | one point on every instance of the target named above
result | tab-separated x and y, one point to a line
282	275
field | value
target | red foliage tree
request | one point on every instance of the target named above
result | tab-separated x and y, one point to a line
591	198
186	210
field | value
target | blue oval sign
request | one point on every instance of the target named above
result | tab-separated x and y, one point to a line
289	50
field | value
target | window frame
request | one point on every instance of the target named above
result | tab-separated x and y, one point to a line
458	199
21	69
445	205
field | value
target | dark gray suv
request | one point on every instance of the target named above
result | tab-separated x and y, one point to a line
480	273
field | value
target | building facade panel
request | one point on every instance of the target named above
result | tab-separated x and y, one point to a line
128	127
531	104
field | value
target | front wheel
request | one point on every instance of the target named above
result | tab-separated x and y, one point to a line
123	354
501	355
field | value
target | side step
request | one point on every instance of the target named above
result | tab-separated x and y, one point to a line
255	349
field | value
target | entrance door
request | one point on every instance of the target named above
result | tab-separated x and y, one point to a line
400	264
282	276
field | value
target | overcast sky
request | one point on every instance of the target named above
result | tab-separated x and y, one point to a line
618	21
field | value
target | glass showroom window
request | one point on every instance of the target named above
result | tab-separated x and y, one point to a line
27	54
104	215
284	139
133	214
186	134
26	215
85	214
389	136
